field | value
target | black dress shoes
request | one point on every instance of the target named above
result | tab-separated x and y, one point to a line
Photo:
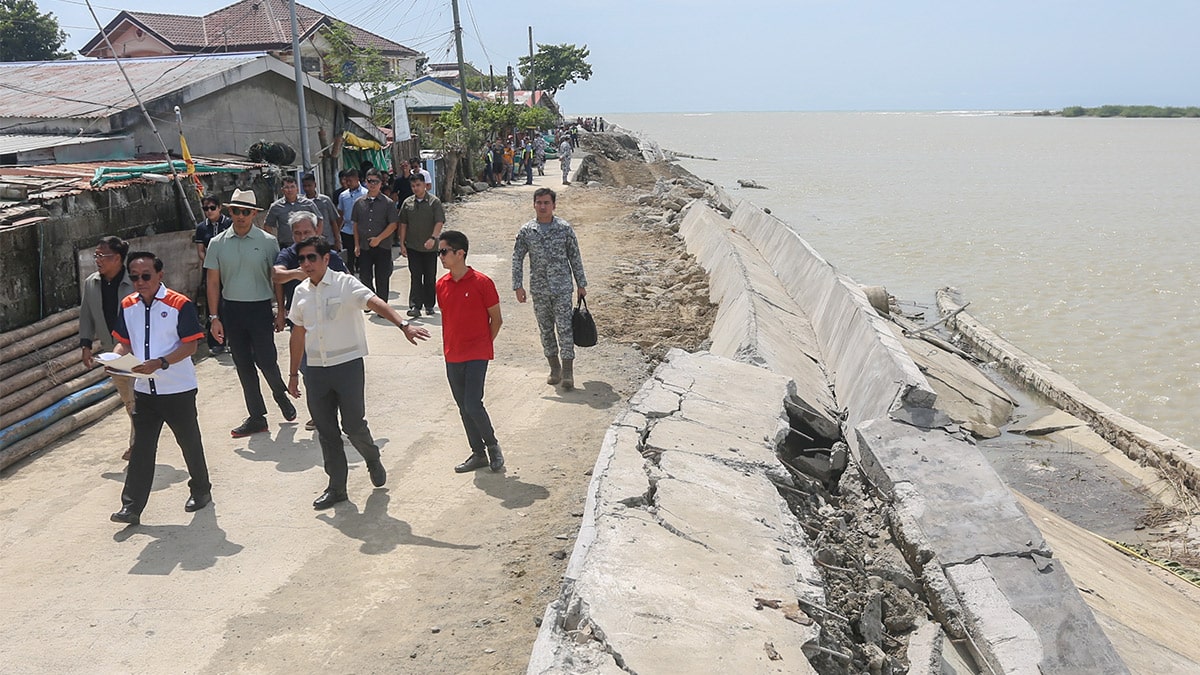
252	425
328	499
497	463
377	472
197	502
125	516
475	461
288	410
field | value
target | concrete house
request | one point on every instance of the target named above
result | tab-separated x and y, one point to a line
246	26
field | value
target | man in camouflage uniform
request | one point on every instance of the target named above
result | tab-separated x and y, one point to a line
553	263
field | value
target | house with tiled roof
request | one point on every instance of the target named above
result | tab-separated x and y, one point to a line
246	26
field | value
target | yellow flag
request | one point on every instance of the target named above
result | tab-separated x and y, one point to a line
187	156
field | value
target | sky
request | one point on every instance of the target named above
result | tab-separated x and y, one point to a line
796	55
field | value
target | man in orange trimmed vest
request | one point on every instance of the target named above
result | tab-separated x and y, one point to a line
161	329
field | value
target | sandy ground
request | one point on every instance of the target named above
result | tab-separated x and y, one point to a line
436	573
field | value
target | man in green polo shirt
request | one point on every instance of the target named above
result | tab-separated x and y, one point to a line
421	221
239	264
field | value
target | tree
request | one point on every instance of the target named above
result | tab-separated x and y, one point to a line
28	35
556	66
347	63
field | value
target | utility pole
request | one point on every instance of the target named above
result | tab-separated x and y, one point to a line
462	79
491	78
296	61
532	70
511	96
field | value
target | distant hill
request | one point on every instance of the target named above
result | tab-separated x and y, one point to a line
1130	111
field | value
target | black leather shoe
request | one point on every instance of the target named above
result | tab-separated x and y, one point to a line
252	425
197	502
288	410
328	499
126	516
475	461
378	473
497	462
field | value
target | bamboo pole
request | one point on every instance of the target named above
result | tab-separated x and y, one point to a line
40	386
52	433
37	358
59	369
48	416
36	342
12	336
50	397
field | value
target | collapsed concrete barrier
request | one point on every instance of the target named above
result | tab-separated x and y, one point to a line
1138	441
987	575
683	532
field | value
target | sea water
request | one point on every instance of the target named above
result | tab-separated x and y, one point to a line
1075	239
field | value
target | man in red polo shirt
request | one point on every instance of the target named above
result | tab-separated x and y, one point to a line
470	321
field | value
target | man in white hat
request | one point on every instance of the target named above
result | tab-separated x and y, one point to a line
239	264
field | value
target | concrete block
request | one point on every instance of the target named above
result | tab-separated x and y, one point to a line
961	506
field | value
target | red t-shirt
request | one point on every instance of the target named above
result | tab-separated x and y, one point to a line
466	330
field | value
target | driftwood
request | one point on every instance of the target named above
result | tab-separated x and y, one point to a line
51	396
34	342
37	358
56	371
12	336
22	449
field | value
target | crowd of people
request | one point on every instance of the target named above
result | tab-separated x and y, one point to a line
314	265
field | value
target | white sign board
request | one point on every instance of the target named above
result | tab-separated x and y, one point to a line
400	130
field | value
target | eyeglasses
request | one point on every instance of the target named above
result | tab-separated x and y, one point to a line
445	251
102	256
372	181
212	207
310	257
145	276
240	212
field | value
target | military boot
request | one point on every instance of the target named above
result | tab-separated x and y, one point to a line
568	376
555	370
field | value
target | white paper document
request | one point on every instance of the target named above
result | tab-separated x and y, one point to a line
121	365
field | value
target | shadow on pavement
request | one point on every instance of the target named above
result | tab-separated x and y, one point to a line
192	547
165	476
378	531
514	493
598	395
290	454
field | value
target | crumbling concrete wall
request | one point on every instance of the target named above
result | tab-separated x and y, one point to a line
986	572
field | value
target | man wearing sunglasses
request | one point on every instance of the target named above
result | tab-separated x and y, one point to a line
328	332
374	221
160	328
470	322
421	219
102	294
214	223
239	266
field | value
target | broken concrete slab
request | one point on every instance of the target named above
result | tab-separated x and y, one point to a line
673	578
1045	421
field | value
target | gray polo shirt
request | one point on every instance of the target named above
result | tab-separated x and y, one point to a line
244	263
373	216
328	212
277	216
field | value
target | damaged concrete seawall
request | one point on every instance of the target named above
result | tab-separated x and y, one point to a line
988	575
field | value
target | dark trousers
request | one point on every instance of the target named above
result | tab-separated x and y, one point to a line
422	271
250	334
466	384
375	269
347	252
334	389
178	411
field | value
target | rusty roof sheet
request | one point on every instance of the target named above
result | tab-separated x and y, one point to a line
96	89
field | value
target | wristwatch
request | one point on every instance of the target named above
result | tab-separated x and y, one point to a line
213	317
164	363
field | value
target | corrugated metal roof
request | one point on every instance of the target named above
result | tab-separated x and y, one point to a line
51	180
10	143
96	89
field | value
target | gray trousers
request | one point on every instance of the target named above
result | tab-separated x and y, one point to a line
334	389
466	384
553	312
